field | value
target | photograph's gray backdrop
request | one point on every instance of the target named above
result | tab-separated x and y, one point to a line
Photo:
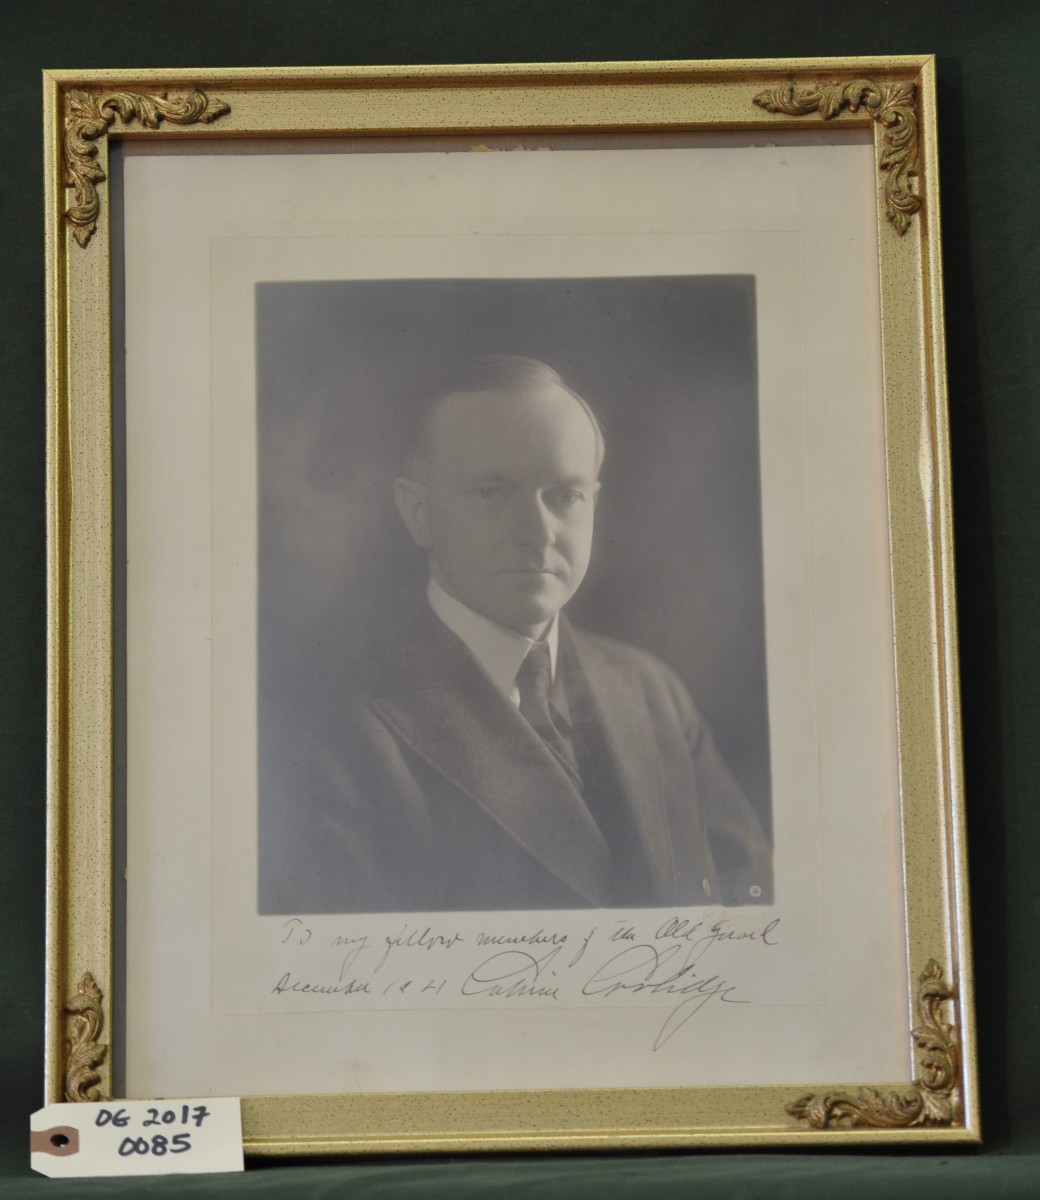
986	52
669	366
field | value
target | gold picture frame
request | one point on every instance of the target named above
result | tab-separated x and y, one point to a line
490	108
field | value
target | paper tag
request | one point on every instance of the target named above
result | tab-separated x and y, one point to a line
136	1137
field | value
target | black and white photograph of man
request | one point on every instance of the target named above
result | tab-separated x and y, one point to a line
443	725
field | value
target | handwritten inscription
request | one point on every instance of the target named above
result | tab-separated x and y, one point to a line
418	939
701	939
288	984
688	963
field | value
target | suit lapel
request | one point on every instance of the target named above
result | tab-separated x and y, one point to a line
442	705
612	700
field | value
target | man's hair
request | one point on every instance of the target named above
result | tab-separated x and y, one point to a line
509	373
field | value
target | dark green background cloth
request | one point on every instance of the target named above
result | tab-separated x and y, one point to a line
987	53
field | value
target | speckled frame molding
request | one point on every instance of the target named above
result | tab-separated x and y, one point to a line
893	99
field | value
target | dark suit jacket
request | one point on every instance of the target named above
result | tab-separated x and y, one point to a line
431	792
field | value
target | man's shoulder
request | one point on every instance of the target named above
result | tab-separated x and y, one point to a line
598	649
629	674
622	654
414	652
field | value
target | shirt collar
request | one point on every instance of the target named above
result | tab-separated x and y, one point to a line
498	650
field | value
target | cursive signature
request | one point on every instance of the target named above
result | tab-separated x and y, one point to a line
512	973
646	969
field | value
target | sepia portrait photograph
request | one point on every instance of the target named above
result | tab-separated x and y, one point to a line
511	642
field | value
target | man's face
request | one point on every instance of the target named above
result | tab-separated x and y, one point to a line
506	509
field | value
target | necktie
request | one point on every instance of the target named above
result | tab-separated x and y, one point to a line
533	681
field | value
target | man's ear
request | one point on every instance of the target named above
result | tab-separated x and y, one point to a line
595	493
410	498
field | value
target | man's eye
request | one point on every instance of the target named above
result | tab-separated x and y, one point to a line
567	497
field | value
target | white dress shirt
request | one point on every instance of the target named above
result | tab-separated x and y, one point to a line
498	650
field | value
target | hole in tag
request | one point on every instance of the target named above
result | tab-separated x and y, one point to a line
60	1140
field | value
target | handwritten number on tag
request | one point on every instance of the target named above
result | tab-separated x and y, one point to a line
198	1114
159	1144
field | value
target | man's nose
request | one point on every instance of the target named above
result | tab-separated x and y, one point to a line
535	523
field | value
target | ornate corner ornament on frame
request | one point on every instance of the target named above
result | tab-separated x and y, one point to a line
893	99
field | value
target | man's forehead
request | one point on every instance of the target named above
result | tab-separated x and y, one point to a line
543	410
